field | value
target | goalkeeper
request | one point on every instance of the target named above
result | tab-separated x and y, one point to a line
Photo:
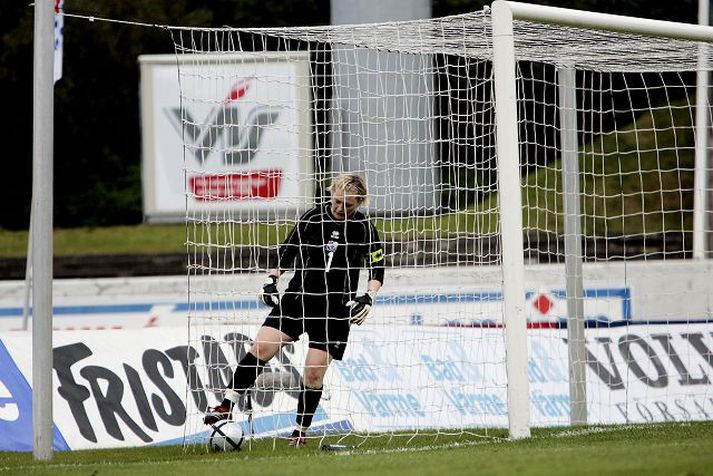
327	247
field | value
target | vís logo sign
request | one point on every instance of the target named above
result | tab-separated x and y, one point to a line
233	127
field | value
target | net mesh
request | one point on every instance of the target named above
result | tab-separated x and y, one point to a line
270	116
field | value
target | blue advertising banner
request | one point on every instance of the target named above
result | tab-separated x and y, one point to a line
16	408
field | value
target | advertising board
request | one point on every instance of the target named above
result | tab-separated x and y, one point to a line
150	386
225	133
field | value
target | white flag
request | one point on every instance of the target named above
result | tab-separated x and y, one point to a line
58	38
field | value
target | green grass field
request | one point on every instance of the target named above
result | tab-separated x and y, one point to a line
666	449
130	239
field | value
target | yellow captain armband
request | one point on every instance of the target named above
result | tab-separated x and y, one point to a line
377	255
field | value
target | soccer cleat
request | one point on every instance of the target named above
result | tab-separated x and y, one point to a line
216	414
298	439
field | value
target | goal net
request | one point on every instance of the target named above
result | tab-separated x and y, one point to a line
616	308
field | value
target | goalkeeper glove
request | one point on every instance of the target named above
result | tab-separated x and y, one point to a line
359	308
269	294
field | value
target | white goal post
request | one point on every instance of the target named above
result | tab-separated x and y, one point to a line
531	174
504	59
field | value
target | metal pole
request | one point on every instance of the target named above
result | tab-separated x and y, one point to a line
609	22
28	280
700	178
249	411
572	246
508	150
41	226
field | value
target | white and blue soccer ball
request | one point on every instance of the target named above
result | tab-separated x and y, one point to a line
226	436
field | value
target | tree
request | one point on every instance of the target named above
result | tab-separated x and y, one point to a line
97	124
97	127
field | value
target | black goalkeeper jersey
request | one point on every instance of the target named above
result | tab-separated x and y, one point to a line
327	254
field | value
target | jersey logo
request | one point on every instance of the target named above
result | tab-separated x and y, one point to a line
331	246
377	255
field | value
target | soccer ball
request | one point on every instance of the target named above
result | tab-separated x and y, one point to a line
226	436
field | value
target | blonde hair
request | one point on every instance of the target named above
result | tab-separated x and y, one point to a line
351	184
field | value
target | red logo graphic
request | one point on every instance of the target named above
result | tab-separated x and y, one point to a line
543	304
238	90
263	184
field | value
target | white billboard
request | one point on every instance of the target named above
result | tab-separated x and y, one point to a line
225	132
148	386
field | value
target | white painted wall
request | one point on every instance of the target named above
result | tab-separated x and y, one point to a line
660	291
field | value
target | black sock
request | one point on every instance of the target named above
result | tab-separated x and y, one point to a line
245	375
307	405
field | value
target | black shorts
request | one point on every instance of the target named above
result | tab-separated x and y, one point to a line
326	323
